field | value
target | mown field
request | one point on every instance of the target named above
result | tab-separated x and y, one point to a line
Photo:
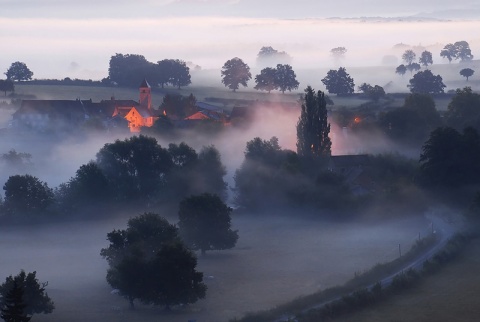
449	295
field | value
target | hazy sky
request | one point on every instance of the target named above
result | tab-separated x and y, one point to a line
63	38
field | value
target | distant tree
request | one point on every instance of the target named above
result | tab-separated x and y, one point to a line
265	81
18	71
339	82
136	167
285	78
427	83
409	56
13	306
213	171
467	72
268	56
35	299
130	70
373	92
164	70
235	73
464	110
148	262
205	223
179	106
426	58
338	52
401	70
6	85
17	161
313	127
424	106
413	67
180	74
462	51
448	52
26	195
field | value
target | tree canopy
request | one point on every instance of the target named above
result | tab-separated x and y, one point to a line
268	56
409	56
339	82
464	110
313	129
338	52
467	72
205	223
426	58
459	50
373	92
6	85
148	262
401	69
285	78
18	71
265	81
34	297
235	73
427	83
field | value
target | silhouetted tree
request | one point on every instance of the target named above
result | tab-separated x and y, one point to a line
313	127
467	72
13	306
130	70
205	223
34	297
179	106
464	109
462	51
413	67
339	82
180	75
17	161
426	58
26	195
448	52
268	56
373	92
18	71
285	78
6	85
401	70
265	81
409	56
148	262
427	83
338	52
235	73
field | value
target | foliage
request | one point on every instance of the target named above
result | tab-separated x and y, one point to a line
136	168
6	85
18	71
268	56
148	262
467	72
204	222
130	70
173	71
459	50
426	58
13	307
426	83
265	81
409	56
413	67
401	69
178	106
338	52
35	299
26	195
451	159
373	92
285	78
464	109
235	73
339	82
17	161
313	127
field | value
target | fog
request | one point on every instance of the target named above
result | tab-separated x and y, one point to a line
52	52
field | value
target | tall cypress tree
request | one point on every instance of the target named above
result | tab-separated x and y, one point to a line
312	127
14	307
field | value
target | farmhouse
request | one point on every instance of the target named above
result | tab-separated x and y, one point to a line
45	115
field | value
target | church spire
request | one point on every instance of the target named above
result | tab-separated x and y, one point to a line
145	94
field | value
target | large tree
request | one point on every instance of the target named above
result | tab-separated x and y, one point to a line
339	82
426	58
26	195
313	127
464	109
130	70
467	72
427	83
409	56
265	81
149	263
205	223
13	309
19	71
180	74
401	70
448	52
285	78
235	73
463	51
6	85
137	167
35	298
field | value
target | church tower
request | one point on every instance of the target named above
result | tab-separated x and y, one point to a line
145	95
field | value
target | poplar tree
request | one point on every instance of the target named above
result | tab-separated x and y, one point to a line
312	127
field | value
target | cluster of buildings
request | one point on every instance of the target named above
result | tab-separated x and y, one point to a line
42	115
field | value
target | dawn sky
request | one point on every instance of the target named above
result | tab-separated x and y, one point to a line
62	38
